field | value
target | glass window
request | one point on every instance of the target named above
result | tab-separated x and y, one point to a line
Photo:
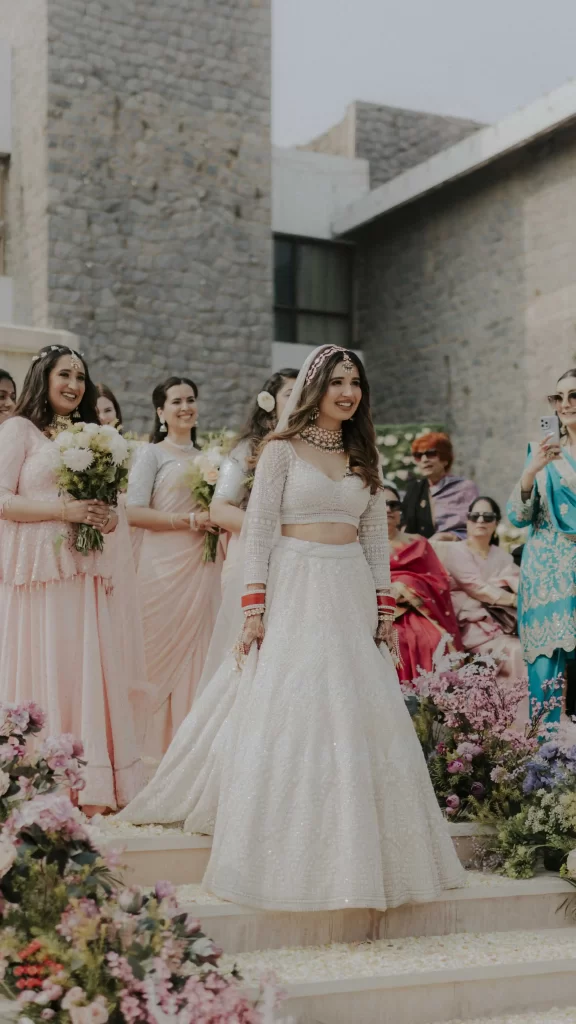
312	292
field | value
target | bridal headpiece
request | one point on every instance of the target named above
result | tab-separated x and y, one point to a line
325	354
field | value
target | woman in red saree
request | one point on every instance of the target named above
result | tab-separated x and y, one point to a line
421	586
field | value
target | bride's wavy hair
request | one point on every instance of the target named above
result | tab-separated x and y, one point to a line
259	422
358	433
33	403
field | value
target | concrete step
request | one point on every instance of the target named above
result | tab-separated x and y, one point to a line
487	904
155	851
422	980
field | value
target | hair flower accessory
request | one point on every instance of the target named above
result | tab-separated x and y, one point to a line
266	401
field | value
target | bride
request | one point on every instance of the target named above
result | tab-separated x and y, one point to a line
303	761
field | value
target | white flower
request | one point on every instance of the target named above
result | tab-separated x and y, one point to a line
423	432
107	430
390	440
91	429
266	401
202	947
379	440
119	450
571	864
402	474
66	439
78	459
4	782
408	437
214	456
8	855
407	460
384	460
82	439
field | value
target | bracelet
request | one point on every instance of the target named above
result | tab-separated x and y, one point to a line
250	612
192	520
386	606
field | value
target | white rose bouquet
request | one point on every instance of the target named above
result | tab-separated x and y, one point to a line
201	477
93	463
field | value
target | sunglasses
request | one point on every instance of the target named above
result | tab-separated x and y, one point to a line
394	506
430	454
486	517
557	400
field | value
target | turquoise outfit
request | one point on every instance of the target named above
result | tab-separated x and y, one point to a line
547	592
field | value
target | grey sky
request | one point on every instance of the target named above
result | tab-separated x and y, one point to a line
479	59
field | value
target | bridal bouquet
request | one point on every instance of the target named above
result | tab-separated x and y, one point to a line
201	477
93	463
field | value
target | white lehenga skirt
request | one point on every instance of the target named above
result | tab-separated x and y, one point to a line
305	766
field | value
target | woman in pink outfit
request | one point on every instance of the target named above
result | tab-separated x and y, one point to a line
484	587
179	592
58	631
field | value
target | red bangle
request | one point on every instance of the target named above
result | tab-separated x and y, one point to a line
385	601
256	597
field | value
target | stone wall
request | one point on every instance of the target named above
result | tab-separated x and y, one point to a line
393	140
158	176
467	307
390	138
23	25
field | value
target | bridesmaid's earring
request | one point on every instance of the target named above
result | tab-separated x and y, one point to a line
314	416
163	427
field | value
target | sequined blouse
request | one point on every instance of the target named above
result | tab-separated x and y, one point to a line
290	490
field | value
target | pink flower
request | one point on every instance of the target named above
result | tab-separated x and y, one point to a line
36	714
453	801
73	997
48	1014
455	767
131	899
113	858
14	718
95	1013
75	778
164	889
52	812
49	993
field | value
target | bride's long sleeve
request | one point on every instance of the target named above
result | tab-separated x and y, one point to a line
373	536
264	510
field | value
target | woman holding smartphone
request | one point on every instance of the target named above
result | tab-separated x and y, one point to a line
545	500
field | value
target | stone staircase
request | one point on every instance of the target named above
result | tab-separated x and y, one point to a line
485	952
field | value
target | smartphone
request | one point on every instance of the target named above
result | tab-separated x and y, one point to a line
550	425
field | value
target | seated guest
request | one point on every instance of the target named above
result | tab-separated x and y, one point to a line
424	612
436	503
484	582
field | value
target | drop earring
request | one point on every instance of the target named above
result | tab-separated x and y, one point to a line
314	415
163	427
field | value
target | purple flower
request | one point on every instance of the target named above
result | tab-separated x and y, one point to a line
36	713
455	767
477	790
162	890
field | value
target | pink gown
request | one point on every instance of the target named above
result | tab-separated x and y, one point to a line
179	595
59	631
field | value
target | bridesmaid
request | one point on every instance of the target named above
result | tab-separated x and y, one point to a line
7	395
108	407
58	632
179	593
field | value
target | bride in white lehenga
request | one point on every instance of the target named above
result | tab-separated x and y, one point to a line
304	764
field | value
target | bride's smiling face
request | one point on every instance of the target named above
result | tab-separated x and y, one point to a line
342	396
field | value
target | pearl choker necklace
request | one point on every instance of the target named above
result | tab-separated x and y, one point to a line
324	440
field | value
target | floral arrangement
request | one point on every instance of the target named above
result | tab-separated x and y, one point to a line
464	715
93	462
394	444
76	946
201	477
57	762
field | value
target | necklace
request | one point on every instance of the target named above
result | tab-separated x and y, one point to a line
324	440
183	447
58	424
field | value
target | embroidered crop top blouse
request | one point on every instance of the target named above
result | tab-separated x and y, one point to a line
290	490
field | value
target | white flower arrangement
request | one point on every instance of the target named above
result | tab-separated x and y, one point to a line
92	463
394	445
266	401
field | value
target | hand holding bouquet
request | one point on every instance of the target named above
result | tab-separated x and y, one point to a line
93	465
201	477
